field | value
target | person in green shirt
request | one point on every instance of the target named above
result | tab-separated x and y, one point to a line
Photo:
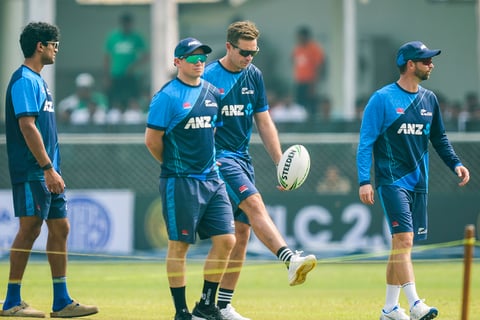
125	52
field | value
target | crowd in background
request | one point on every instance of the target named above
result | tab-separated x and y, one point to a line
123	96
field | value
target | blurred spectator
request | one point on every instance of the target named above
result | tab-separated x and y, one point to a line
308	61
360	104
468	110
472	105
284	109
324	107
125	53
84	106
333	182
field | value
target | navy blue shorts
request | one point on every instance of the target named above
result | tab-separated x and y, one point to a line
405	211
192	206
239	176
32	198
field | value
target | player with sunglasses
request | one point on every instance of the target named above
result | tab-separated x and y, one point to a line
38	188
243	102
399	122
181	123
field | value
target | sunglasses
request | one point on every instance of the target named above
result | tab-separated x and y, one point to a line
426	62
195	58
55	44
246	53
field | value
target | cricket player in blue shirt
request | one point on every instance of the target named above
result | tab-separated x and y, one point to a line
399	122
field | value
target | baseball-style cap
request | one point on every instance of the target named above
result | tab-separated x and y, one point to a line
414	50
188	45
84	80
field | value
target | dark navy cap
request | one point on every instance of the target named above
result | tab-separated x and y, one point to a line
413	51
188	45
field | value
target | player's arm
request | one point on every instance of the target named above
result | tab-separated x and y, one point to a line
269	135
369	132
154	143
33	138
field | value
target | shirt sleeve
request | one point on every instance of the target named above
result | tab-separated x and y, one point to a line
371	127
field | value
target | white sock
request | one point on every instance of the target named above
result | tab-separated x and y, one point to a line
391	297
411	293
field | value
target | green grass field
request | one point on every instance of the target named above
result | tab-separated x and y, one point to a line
139	290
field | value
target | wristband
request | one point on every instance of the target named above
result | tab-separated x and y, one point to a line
47	166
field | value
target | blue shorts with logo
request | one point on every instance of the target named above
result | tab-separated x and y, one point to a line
405	211
192	206
32	198
239	176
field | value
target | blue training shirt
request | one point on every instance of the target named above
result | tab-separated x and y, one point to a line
397	126
189	116
242	95
28	95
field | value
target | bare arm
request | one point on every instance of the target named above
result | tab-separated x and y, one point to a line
269	135
33	138
154	143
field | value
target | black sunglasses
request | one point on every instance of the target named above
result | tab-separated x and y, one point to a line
55	44
246	53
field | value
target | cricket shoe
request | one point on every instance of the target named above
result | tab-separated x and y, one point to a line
299	267
420	311
183	315
74	310
397	313
22	310
210	313
229	313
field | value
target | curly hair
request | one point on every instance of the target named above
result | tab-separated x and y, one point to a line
36	32
246	30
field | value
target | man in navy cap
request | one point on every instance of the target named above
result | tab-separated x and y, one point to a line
180	136
399	121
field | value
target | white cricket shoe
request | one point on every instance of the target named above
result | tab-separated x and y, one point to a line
229	313
397	313
420	311
299	267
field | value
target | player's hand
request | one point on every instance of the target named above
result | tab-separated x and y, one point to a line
54	181
366	194
281	188
463	174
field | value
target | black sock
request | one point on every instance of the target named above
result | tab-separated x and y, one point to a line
208	294
179	300
224	298
285	254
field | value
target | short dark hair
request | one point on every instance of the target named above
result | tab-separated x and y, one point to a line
304	31
36	32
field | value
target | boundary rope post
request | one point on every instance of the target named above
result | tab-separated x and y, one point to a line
469	243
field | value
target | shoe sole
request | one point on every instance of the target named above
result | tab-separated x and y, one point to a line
22	315
431	315
302	271
54	315
383	317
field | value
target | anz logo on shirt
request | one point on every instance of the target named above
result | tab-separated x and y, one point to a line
48	106
237	110
200	122
233	110
414	129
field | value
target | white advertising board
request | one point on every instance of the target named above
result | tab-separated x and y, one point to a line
101	221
